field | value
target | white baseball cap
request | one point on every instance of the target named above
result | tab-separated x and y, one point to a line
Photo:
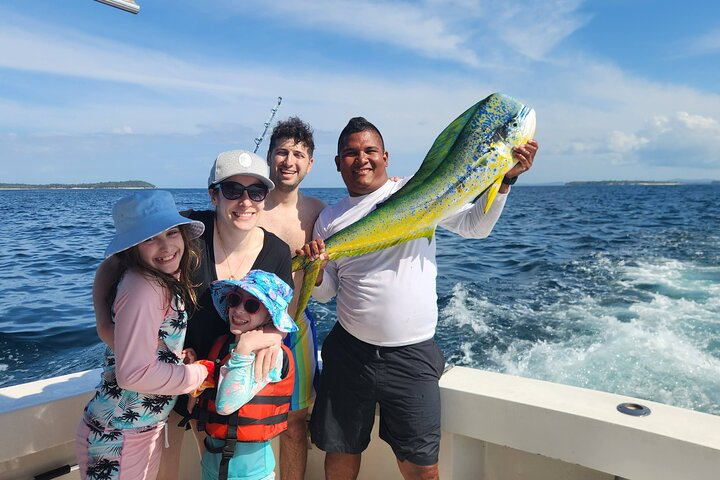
240	162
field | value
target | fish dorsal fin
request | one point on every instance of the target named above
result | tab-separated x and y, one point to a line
439	150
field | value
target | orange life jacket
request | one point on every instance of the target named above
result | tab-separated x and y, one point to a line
261	418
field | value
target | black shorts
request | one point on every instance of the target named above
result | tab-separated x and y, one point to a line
402	380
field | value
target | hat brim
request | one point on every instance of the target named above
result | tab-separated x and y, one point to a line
153	226
266	181
222	288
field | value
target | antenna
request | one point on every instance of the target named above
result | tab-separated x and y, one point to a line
259	139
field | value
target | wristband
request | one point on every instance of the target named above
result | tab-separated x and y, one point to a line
509	181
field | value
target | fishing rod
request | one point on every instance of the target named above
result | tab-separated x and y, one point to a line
259	139
127	5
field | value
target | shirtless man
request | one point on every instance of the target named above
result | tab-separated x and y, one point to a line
291	215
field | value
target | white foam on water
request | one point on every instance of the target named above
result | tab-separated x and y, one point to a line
468	356
669	352
464	309
678	278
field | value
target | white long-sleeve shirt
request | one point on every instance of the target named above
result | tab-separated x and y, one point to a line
388	298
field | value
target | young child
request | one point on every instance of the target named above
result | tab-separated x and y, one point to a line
242	414
119	436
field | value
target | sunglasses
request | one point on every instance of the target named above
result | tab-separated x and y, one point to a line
251	304
233	190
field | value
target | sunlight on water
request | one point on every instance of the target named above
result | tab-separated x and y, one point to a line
665	348
610	288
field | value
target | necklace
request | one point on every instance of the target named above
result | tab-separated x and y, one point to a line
227	257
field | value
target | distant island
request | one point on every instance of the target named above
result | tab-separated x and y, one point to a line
48	186
627	182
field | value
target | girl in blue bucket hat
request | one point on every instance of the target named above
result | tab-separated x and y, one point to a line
120	435
239	413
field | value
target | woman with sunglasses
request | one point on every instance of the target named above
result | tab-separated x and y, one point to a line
234	244
231	245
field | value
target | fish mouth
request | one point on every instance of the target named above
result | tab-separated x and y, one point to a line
521	127
527	117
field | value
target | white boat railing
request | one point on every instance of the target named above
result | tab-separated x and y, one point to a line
495	426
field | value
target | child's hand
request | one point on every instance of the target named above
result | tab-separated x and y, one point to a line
265	343
188	356
254	340
209	381
265	359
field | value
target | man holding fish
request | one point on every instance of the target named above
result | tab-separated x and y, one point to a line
382	348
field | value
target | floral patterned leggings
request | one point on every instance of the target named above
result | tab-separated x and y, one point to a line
119	454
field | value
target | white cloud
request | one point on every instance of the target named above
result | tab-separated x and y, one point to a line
188	104
124	130
37	47
478	34
414	26
211	91
683	139
706	44
536	28
621	142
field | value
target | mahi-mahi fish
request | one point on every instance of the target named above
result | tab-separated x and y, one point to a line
468	159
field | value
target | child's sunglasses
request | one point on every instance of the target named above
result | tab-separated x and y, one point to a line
233	190
251	304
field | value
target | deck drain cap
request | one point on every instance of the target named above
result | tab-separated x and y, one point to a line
634	409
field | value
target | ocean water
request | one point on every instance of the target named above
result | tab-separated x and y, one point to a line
614	288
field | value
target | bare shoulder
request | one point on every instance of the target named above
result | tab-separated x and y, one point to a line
312	205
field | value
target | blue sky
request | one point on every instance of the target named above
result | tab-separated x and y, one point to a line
623	89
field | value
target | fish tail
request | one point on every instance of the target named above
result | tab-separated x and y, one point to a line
299	262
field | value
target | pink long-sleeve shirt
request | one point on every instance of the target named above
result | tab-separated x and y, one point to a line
145	371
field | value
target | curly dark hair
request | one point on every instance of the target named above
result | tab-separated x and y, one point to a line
293	128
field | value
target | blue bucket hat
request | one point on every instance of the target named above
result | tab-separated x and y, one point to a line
267	287
145	214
